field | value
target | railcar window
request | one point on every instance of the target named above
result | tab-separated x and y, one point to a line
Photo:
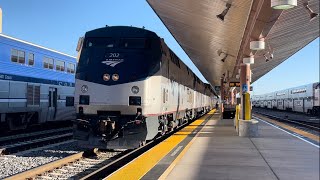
14	55
100	42
134	43
48	63
71	68
18	56
31	59
21	57
60	65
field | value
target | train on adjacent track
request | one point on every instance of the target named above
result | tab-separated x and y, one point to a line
36	84
303	99
130	88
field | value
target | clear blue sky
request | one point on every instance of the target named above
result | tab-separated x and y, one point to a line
58	24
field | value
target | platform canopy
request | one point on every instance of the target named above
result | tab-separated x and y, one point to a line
217	46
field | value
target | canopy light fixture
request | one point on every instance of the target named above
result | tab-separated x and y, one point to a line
270	52
312	14
271	55
283	4
224	12
248	60
257	45
224	58
222	55
265	57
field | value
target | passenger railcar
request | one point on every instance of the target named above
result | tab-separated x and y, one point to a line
36	84
130	87
304	99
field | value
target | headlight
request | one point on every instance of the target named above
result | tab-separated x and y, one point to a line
115	77
135	89
106	77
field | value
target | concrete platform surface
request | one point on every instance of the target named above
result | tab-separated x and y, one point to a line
217	152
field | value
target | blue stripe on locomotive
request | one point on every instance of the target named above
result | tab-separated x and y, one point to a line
37	70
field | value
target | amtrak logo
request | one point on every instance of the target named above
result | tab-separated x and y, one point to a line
112	62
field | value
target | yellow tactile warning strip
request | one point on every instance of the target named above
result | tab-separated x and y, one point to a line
137	168
295	130
174	163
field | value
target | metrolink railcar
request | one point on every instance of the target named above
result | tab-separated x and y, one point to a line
130	87
36	84
304	99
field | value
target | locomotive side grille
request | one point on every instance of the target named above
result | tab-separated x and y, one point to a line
36	98
30	95
33	95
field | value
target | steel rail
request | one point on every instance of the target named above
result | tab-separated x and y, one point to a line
302	123
47	167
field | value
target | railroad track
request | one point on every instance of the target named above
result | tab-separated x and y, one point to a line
21	142
79	167
306	124
71	167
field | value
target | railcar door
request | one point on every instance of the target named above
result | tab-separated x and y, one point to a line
52	106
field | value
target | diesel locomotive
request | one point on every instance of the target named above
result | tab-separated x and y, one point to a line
130	87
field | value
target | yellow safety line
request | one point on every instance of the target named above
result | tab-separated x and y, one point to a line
137	168
298	131
175	162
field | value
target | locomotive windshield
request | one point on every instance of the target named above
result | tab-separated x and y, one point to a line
129	43
135	43
131	56
100	42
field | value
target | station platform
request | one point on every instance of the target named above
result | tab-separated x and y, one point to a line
209	148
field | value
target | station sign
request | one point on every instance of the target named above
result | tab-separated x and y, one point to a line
244	88
234	84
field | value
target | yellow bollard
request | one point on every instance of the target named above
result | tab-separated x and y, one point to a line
237	116
247	107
